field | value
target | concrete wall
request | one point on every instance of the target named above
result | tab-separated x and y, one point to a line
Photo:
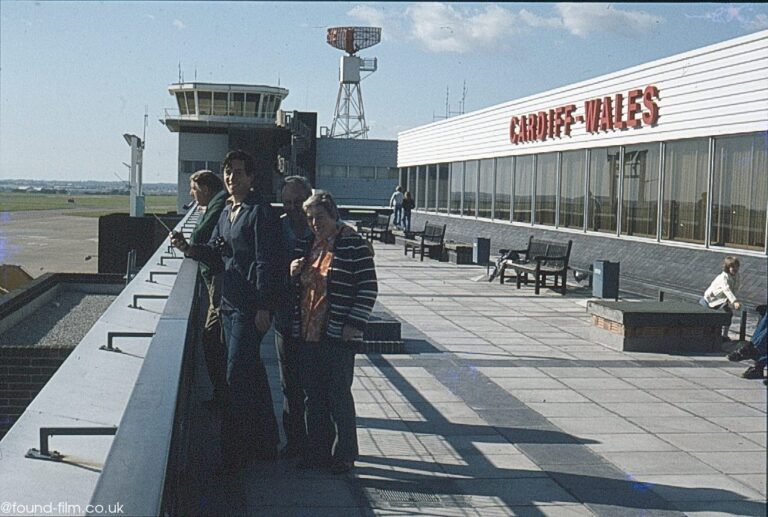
350	152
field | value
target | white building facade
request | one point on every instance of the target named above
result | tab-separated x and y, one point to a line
673	151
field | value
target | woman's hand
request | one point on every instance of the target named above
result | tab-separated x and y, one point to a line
296	266
263	321
350	333
178	241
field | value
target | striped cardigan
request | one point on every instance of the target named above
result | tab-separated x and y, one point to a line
352	286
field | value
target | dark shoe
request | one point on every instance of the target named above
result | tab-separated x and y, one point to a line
753	372
748	351
341	467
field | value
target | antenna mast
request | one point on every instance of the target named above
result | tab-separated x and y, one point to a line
349	115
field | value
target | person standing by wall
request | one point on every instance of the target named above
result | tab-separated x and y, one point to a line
208	191
296	190
408	204
337	288
246	249
396	202
721	293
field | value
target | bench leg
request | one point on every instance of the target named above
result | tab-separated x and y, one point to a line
501	273
519	278
537	277
405	250
563	280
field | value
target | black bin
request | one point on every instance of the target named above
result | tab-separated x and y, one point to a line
605	279
481	251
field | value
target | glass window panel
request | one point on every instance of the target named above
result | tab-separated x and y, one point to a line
410	186
214	167
387	173
182	103
252	104
325	171
740	192
640	207
572	165
220	103
237	105
485	190
421	188
206	100
338	171
191	102
470	187
546	188
403	178
603	188
443	174
523	188
503	188
430	201
457	184
684	209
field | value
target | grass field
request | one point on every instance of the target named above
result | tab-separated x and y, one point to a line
83	205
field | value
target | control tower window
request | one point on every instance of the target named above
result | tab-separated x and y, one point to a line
220	103
191	103
237	104
206	102
252	104
182	103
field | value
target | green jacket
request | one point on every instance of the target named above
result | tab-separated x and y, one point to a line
205	225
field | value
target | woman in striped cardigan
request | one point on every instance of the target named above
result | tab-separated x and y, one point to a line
336	289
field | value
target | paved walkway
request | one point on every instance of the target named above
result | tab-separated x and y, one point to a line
504	407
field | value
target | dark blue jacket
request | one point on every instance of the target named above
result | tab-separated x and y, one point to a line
249	261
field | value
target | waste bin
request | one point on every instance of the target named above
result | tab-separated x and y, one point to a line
481	251
605	279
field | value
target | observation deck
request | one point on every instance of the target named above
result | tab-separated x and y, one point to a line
217	105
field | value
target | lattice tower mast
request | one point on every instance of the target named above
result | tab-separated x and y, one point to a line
349	115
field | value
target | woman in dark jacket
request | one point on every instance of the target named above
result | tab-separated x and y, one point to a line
337	288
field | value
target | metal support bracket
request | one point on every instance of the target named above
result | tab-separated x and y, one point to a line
153	273
166	257
112	335
44	453
137	297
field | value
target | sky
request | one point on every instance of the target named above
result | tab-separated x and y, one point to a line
76	76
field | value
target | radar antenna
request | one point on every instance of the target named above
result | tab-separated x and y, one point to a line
349	115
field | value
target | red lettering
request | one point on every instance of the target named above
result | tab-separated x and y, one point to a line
568	118
512	135
532	127
523	129
551	123
592	111
606	116
652	115
541	126
633	108
558	120
618	111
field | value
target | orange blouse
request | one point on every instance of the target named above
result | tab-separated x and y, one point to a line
314	282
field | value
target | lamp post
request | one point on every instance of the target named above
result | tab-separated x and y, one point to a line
136	194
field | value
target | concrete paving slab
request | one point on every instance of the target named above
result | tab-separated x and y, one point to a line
625	442
733	462
640	463
710	442
686	424
708	487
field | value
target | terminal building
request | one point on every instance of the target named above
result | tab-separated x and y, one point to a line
662	166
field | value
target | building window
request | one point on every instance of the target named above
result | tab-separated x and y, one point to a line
190	102
640	208
421	187
220	103
485	189
237	105
523	189
546	188
206	102
470	188
192	166
410	181
684	209
572	170
332	171
457	183
603	188
443	179
387	173
503	188
252	104
740	192
431	199
182	103
362	172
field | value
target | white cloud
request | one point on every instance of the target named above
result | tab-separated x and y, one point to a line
441	28
537	21
391	22
179	24
583	19
743	15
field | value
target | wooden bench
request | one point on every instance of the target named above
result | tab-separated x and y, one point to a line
542	259
431	239
378	229
459	253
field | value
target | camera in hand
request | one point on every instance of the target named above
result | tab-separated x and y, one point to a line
221	246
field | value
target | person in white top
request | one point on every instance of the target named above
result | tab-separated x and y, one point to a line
396	202
721	293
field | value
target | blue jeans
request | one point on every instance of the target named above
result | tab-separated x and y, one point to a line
293	395
327	374
407	220
760	341
249	426
398	214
